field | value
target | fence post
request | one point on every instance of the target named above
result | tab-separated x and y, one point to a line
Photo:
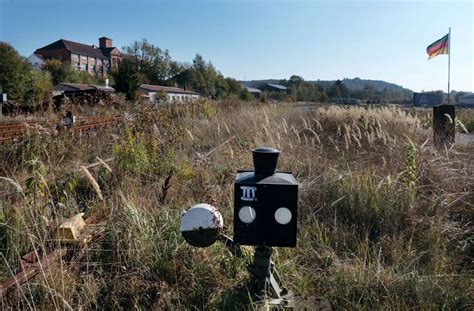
444	125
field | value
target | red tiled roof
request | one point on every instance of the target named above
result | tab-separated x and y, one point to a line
166	89
77	48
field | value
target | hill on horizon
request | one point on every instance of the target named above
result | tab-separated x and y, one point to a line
354	84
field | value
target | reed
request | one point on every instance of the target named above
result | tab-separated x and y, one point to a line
385	219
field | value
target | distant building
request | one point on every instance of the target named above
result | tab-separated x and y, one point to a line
466	101
73	89
253	91
269	87
350	101
36	60
153	92
88	58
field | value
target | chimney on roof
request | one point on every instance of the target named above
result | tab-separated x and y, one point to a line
105	42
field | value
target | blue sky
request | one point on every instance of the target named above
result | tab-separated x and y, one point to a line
383	40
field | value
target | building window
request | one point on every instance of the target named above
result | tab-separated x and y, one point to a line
76	66
92	68
84	67
99	69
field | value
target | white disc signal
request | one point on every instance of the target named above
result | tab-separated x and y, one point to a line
283	216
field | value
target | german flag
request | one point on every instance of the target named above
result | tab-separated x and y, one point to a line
438	47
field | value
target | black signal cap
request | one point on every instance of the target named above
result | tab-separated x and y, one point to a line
265	160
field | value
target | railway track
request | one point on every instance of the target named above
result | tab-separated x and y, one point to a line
15	130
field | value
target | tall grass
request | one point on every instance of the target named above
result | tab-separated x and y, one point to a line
385	220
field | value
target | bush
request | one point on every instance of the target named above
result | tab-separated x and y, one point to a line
63	72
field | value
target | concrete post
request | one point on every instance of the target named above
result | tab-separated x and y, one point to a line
444	125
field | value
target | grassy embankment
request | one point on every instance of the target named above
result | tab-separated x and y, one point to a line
385	220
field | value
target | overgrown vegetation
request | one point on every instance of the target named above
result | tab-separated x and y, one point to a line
385	220
20	81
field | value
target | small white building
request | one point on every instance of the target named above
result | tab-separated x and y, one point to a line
155	92
35	60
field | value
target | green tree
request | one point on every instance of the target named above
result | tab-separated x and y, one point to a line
40	88
440	94
152	63
295	81
187	79
338	90
15	73
234	86
20	81
458	95
126	79
63	72
245	95
60	72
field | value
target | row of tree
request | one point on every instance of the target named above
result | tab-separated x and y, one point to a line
144	62
301	90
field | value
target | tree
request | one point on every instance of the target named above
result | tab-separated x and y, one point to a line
154	64
245	95
234	86
458	95
295	80
440	94
338	90
14	73
187	79
63	72
126	79
40	88
20	81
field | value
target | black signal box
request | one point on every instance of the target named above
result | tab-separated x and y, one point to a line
265	203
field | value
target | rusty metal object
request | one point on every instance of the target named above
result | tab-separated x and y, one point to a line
30	265
15	130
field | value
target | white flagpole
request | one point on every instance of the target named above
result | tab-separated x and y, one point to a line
449	60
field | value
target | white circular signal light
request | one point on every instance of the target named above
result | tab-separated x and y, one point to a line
283	216
247	214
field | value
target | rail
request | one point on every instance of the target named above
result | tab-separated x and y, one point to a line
10	131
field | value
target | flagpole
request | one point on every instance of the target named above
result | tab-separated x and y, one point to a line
449	60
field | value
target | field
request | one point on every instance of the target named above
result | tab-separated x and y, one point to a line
385	219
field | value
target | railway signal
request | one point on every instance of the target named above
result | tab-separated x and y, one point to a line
265	216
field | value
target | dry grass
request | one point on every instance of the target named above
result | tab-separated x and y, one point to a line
385	219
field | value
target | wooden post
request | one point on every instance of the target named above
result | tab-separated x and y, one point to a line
444	125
